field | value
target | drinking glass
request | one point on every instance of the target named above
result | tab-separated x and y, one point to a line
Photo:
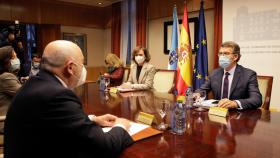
164	107
200	99
107	82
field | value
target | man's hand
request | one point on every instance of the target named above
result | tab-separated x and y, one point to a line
123	122
226	103
105	120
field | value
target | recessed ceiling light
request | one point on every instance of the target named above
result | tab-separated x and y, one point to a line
99	3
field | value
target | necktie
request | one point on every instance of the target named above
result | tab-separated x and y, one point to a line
225	88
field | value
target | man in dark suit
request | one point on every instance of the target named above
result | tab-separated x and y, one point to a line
46	118
232	84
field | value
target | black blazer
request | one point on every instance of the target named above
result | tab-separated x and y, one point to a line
244	86
46	119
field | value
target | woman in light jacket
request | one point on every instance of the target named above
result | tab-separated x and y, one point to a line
142	73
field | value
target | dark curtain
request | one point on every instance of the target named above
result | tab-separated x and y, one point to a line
141	22
116	29
218	29
45	34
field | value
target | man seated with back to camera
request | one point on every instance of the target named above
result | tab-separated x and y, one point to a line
241	86
46	118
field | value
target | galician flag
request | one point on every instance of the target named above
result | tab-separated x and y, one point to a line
173	53
184	65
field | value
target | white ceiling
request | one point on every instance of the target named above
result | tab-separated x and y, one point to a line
93	2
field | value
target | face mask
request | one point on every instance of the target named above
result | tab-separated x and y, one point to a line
139	59
15	64
111	69
224	61
82	78
35	65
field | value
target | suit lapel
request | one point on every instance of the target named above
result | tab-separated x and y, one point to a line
235	79
134	73
142	73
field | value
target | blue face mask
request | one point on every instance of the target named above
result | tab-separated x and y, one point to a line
111	69
224	61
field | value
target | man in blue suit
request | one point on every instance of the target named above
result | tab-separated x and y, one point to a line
234	85
46	118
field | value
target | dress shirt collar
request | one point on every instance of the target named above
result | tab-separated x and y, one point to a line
61	81
231	71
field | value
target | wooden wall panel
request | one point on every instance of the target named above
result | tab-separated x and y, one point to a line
54	12
164	8
25	11
5	9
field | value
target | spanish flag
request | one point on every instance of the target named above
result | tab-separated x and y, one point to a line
184	65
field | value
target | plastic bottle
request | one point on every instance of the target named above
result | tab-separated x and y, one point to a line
178	118
102	85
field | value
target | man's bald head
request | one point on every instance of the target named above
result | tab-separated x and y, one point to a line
65	60
57	53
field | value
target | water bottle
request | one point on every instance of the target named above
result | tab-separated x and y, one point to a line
189	97
178	118
102	85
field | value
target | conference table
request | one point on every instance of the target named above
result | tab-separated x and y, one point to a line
249	133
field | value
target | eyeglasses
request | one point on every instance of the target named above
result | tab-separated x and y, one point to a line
225	53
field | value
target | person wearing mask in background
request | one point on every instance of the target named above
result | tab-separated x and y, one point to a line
35	65
9	83
235	86
46	117
142	73
115	69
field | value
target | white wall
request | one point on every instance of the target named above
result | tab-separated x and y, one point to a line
98	43
255	26
155	39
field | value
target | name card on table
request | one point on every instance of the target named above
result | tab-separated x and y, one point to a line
113	90
218	111
145	118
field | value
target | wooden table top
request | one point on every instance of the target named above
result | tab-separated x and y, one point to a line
248	134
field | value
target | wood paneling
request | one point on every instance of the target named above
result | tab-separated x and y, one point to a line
164	8
54	12
5	9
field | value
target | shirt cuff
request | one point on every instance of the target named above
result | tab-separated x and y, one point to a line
91	117
239	104
119	125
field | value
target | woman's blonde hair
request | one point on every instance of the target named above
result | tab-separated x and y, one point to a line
113	60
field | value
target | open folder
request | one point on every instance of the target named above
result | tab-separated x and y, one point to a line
138	131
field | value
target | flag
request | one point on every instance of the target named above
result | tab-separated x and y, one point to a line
184	67
173	57
201	60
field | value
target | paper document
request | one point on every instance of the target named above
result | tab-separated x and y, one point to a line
125	89
207	103
134	128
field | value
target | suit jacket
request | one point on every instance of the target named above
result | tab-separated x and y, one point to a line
46	119
244	86
146	77
9	85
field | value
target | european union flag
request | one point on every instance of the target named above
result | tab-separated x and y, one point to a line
201	59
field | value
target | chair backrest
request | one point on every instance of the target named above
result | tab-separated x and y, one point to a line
126	74
265	86
164	80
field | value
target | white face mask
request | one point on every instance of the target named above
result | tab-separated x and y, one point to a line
139	59
35	65
82	78
15	64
